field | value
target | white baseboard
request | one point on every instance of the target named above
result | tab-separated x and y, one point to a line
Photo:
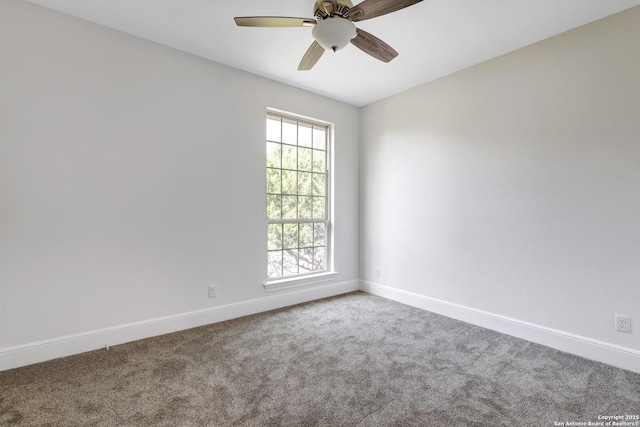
588	348
27	354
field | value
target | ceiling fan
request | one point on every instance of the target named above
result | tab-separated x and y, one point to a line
334	28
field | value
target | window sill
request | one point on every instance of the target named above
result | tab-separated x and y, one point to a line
298	282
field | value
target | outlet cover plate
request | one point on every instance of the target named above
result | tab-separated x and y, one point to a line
213	291
623	323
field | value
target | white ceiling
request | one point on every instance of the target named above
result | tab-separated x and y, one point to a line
434	37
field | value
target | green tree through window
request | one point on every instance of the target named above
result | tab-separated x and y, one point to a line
297	198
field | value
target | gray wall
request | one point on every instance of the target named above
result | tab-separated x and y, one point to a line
132	177
513	187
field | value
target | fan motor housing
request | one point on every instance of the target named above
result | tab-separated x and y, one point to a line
324	9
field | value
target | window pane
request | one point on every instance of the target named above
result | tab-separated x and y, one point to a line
274	237
318	208
289	157
273	180
305	207
319	138
273	129
319	161
289	182
304	183
290	262
304	159
289	207
289	132
306	260
319	231
274	153
290	236
306	235
304	135
274	264
274	207
319	262
318	184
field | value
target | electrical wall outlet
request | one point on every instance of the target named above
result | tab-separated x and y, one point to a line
377	272
213	291
623	323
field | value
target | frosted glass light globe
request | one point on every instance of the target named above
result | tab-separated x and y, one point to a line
334	33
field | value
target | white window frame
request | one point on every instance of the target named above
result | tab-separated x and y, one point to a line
314	277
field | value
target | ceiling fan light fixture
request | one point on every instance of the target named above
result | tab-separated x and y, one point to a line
334	28
334	33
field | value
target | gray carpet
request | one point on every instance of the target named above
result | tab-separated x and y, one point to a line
354	360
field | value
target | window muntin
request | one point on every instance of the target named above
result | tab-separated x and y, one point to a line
297	197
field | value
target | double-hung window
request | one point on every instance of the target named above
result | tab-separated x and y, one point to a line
297	196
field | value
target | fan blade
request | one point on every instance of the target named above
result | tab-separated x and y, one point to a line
368	43
310	58
273	21
371	8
